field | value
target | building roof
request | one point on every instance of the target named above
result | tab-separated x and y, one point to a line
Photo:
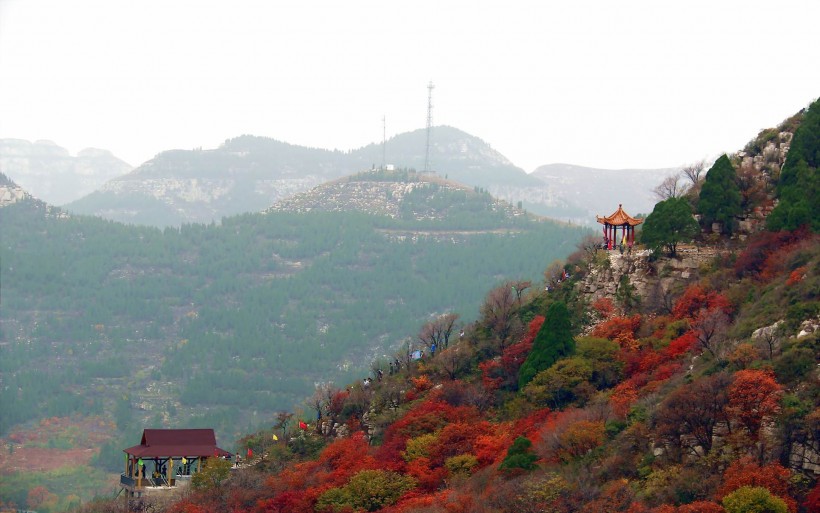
619	218
177	443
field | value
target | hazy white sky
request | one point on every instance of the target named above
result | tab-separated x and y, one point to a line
601	83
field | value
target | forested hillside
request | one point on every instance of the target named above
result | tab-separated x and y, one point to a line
223	325
704	400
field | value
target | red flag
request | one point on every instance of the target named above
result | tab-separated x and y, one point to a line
302	425
250	453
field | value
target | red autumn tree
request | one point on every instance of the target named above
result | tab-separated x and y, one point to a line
754	397
681	345
620	329
697	298
745	472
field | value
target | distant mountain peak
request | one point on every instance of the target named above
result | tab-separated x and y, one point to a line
49	171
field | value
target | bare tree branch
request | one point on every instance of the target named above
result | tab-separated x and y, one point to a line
694	171
668	188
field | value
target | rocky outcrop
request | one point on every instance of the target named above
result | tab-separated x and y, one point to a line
654	281
11	193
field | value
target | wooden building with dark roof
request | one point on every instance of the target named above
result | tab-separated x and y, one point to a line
166	457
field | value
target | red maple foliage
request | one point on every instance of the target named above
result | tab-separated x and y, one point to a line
620	329
604	307
701	507
696	299
754	397
622	398
745	472
428	416
812	502
681	345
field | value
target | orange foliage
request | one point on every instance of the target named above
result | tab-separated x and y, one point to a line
796	275
701	507
429	477
489	449
697	298
427	417
458	438
580	438
290	501
531	425
681	345
491	373
620	329
604	307
754	396
422	383
745	472
622	398
415	501
344	457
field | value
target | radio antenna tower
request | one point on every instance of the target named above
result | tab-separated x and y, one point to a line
430	87
384	141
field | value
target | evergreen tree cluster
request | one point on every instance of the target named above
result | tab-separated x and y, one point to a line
799	185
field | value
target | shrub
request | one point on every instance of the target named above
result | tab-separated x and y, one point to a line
519	455
753	499
461	465
370	490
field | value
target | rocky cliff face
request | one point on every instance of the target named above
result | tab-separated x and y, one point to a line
50	173
654	282
11	193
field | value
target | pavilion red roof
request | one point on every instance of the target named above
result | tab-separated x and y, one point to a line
619	218
177	443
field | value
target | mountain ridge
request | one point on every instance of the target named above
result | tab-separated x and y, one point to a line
51	173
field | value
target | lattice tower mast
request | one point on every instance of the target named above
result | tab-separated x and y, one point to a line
384	141
430	88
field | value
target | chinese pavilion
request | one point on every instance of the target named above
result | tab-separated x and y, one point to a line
151	464
619	219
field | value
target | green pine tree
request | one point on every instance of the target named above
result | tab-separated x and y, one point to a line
720	199
554	341
669	223
799	186
519	455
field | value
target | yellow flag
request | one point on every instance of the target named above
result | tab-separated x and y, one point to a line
275	437
184	461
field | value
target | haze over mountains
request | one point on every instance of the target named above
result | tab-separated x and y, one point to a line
51	174
250	174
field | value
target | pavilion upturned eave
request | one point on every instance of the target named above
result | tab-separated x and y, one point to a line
619	218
